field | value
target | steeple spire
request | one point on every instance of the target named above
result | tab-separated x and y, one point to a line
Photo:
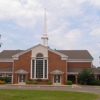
45	26
44	37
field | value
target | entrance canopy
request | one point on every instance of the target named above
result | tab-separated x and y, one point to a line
21	71
57	72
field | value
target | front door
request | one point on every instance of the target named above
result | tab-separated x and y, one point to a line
57	79
21	79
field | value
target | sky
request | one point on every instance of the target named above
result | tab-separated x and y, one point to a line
71	25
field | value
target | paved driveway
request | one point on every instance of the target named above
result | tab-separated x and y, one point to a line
91	89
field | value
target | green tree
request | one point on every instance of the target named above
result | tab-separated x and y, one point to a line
86	76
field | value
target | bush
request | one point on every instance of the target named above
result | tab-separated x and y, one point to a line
2	82
96	82
68	83
35	82
5	79
49	82
29	79
86	76
38	80
28	82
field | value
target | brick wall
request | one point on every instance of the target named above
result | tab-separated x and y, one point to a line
5	64
79	64
24	62
55	63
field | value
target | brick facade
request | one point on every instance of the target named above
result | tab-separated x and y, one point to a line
55	63
5	64
23	62
79	64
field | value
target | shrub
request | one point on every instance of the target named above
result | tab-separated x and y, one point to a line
96	82
28	82
38	80
2	82
29	79
49	82
68	83
5	79
86	76
35	82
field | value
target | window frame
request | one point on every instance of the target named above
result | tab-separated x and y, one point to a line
39	58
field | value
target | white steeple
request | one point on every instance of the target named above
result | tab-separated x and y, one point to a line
44	37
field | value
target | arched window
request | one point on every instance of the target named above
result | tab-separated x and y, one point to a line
39	67
39	55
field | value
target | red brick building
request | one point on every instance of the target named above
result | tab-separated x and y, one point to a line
42	62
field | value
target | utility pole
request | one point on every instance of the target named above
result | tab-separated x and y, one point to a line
0	43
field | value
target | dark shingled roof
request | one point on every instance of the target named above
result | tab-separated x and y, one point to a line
8	53
72	54
76	54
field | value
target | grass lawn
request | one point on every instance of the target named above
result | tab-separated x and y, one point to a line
45	95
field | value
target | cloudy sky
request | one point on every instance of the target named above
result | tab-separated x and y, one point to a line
71	24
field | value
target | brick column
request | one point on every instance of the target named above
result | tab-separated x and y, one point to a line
76	79
96	77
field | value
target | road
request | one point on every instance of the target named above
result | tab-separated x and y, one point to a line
90	89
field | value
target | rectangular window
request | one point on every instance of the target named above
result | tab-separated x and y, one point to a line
32	68
1	75
39	68
10	78
45	69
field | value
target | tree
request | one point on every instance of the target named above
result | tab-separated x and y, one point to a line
86	76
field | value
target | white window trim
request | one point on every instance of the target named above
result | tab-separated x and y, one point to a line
35	68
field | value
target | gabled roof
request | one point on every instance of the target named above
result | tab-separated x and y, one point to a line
59	53
71	54
6	70
76	54
7	54
21	71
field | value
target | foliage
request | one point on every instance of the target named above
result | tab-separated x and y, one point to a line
86	77
96	82
68	83
29	79
49	82
35	82
28	82
2	82
38	80
5	79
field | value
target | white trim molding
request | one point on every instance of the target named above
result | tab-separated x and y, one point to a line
6	60
79	60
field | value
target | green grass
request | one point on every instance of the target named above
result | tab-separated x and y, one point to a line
45	95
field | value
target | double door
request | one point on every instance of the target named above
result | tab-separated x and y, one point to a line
57	79
21	79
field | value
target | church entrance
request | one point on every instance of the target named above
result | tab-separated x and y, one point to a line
21	79
57	79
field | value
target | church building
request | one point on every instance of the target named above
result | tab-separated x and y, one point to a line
42	62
